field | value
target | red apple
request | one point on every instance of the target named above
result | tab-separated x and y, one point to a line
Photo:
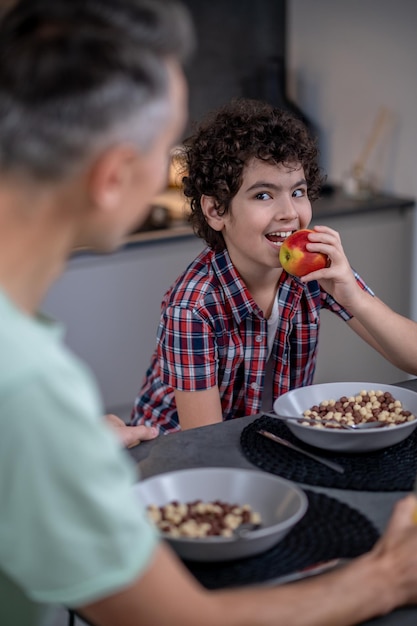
296	259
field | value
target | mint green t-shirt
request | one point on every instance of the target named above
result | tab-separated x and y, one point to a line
70	529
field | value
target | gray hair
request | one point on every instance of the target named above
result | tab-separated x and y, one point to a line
77	76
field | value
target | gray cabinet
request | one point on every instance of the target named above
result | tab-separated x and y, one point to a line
110	305
379	246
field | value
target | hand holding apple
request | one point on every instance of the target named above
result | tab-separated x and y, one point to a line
296	259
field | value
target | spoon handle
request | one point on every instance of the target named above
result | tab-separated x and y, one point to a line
301	418
334	466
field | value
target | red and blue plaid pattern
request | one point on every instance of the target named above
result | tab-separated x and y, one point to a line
211	332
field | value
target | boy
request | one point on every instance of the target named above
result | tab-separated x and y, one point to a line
236	331
92	97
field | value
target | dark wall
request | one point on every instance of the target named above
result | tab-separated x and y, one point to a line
241	51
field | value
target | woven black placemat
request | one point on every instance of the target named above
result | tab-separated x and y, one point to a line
391	469
329	529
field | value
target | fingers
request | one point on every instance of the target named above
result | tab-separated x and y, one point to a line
320	232
401	520
130	436
133	435
144	433
404	514
397	550
337	278
326	241
113	420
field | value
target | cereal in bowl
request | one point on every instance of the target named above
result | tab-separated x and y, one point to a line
366	406
201	519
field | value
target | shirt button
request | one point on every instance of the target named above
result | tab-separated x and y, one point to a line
258	338
254	386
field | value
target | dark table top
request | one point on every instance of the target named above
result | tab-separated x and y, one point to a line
219	445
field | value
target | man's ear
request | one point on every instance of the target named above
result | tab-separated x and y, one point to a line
209	208
110	176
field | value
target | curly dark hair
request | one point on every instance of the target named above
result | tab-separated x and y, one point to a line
226	140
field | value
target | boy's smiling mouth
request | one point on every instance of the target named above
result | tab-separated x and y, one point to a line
278	236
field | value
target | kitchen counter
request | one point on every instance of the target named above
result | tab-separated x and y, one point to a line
338	204
176	230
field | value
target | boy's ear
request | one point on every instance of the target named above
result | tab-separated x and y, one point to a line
110	176
210	212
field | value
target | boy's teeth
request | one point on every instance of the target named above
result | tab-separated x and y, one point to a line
278	237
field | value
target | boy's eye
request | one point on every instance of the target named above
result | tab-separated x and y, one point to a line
263	196
299	193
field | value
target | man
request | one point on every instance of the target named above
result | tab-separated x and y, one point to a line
92	96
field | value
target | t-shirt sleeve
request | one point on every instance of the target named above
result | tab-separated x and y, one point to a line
186	350
328	302
71	530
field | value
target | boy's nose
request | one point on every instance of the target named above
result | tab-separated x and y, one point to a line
286	209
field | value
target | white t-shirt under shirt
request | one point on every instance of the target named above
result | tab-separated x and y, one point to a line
267	396
70	530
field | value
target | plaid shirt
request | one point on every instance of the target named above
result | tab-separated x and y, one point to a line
212	332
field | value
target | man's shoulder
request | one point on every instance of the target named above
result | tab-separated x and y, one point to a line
21	345
33	349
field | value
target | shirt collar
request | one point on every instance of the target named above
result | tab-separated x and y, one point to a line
235	289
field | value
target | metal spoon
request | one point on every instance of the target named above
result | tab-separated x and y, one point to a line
334	466
291	418
243	529
367	425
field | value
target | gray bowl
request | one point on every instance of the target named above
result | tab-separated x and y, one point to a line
280	503
295	402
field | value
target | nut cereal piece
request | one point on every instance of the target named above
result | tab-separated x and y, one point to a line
255	518
188	528
166	527
154	513
202	530
237	510
199	507
232	521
